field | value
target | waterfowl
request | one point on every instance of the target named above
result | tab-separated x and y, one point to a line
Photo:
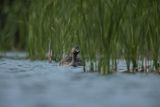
72	58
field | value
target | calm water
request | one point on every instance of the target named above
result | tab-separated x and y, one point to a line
25	83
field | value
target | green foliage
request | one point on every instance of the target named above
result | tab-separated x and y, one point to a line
13	24
105	30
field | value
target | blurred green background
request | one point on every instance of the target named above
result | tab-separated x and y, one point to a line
105	30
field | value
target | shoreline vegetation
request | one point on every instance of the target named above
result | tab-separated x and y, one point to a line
105	30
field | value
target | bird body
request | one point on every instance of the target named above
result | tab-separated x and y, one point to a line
72	59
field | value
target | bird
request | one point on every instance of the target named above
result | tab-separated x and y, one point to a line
72	58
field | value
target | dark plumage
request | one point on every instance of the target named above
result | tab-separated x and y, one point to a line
72	58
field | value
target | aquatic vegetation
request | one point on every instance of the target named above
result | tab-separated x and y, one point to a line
13	24
105	30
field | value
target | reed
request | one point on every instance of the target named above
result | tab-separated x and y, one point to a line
13	24
105	30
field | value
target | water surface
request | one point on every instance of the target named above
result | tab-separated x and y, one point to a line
25	83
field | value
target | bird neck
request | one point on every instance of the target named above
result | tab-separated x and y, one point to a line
73	62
